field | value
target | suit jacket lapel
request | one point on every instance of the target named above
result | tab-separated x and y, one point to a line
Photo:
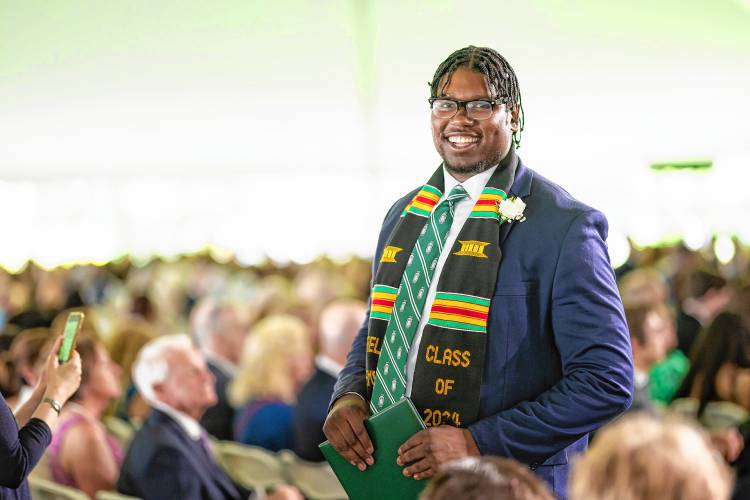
521	188
209	471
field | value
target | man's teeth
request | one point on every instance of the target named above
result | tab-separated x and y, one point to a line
462	139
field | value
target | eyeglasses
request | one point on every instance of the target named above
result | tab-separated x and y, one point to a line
477	110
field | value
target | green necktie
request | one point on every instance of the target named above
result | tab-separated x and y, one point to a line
390	375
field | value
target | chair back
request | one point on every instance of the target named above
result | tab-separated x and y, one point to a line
717	414
42	489
121	430
250	466
113	495
316	480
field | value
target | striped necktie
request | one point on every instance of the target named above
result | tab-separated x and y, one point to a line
390	375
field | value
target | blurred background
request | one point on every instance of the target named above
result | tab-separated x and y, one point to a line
157	128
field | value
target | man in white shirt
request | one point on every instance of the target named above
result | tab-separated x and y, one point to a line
219	329
494	307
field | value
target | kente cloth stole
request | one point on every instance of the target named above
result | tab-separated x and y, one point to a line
450	361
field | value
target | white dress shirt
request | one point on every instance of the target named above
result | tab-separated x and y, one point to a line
188	423
461	210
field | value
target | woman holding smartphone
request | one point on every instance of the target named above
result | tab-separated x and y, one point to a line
23	439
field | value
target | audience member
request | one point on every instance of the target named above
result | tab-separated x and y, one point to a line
641	458
219	331
49	296
720	365
169	456
25	435
28	352
652	336
82	454
485	478
643	286
339	323
276	361
124	346
706	294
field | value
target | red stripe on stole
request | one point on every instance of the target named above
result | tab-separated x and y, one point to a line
383	302
425	200
486	202
459	311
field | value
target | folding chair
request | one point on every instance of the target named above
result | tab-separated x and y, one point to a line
42	489
315	480
113	495
250	466
120	429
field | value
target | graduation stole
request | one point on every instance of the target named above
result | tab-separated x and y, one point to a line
450	361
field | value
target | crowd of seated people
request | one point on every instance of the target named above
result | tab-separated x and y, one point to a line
270	340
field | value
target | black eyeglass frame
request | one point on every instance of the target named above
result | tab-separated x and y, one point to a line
463	104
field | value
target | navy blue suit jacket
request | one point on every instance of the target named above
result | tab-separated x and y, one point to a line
558	362
219	419
164	462
310	414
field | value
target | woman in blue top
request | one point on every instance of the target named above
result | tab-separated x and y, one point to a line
24	438
276	361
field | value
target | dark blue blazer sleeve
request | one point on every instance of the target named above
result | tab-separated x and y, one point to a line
592	338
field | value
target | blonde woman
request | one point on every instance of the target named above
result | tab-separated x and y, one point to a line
276	361
642	458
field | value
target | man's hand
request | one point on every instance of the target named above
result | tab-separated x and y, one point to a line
430	448
345	429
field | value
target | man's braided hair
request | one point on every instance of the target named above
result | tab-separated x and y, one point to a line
500	77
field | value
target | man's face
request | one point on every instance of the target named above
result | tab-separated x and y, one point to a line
470	146
232	332
189	387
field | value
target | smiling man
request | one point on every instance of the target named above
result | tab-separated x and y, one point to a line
494	306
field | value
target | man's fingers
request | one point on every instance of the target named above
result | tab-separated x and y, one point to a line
359	451
413	454
413	442
420	469
346	431
341	445
357	437
360	432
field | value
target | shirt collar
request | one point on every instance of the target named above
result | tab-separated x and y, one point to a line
188	423
327	365
473	185
227	367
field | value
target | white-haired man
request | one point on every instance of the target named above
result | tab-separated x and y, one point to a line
219	330
338	325
169	455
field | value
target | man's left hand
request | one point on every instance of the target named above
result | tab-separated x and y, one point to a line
428	449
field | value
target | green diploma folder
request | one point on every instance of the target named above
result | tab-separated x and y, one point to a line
388	430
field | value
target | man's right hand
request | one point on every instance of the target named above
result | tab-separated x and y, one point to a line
345	429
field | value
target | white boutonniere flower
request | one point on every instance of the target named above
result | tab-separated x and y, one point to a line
512	209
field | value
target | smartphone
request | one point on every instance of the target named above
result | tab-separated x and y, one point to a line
70	335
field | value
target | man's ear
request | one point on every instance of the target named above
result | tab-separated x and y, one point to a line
159	391
514	121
